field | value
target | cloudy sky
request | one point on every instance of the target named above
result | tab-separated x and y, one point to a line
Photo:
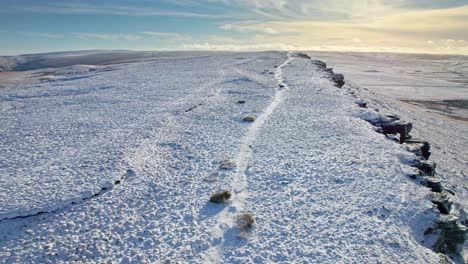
429	26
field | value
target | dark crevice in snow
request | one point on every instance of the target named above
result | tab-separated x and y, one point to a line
194	107
103	190
451	227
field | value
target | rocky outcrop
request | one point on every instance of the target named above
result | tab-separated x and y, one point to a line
427	167
301	55
452	235
338	79
443	201
397	127
322	65
418	147
392	125
435	183
450	228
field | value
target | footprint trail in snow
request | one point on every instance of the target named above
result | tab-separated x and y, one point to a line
226	219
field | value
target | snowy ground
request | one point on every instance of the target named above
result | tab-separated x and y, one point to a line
404	76
381	78
125	159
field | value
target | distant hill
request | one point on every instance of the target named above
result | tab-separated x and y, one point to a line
26	62
6	64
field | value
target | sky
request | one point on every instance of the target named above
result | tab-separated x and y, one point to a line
416	26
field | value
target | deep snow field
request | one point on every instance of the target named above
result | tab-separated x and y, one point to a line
117	163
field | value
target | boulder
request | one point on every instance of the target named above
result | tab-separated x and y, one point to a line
248	119
361	103
397	127
420	148
443	201
320	64
427	167
338	79
452	235
435	183
220	197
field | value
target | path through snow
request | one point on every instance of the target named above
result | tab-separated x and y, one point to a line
227	218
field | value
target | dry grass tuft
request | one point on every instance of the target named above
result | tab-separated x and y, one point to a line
245	221
220	197
227	165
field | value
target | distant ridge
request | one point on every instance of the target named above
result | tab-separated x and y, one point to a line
37	61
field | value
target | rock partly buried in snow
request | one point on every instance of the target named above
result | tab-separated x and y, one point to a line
434	183
452	235
320	64
227	165
220	197
389	124
338	79
248	119
427	167
302	55
413	173
376	118
361	103
443	201
241	102
420	148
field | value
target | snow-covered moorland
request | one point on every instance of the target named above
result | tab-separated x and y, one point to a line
118	164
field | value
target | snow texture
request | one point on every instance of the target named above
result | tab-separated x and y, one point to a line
119	166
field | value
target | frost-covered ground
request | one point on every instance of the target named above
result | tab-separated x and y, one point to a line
119	163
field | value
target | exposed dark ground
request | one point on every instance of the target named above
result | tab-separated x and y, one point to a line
455	109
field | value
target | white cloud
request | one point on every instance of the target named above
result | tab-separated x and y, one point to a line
73	8
107	36
171	36
132	37
249	27
39	34
214	39
270	31
399	32
237	47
